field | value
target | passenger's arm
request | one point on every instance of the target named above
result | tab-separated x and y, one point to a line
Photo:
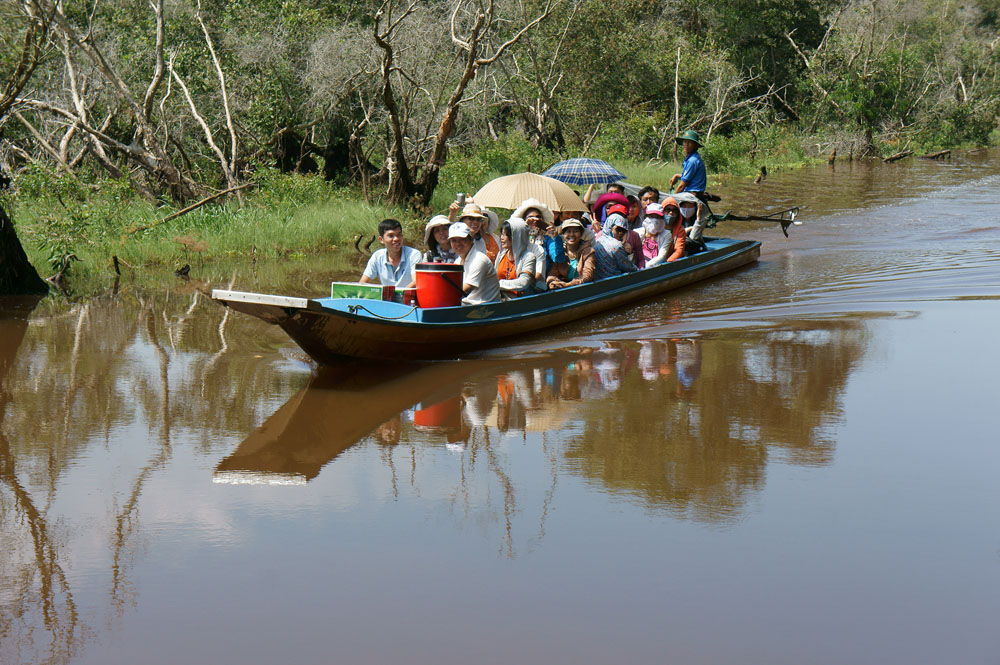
370	274
698	228
554	248
524	279
660	257
623	262
587	266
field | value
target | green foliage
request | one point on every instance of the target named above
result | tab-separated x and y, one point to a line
469	169
754	31
743	152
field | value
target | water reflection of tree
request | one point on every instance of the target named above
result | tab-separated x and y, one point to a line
32	577
692	431
81	376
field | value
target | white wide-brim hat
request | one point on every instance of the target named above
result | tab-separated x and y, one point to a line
436	220
528	204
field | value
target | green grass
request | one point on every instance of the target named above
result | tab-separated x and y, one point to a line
288	218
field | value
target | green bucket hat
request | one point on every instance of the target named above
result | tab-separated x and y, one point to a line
690	135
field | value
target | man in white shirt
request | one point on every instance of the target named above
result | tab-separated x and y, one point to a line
396	263
479	278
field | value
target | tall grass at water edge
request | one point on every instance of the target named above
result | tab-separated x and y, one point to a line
287	217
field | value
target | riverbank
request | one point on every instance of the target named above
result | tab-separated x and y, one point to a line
301	220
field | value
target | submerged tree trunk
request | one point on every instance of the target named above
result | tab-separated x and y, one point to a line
17	276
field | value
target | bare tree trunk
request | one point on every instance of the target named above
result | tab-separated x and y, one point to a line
471	45
400	180
151	155
677	100
17	276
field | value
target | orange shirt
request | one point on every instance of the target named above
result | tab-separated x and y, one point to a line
506	268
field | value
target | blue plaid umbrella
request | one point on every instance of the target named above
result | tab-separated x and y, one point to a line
584	171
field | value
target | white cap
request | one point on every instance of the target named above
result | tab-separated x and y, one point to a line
459	230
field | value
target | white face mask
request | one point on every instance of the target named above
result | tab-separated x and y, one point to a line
687	212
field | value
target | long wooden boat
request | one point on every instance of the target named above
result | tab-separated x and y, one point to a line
332	329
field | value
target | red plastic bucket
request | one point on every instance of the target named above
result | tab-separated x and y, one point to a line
439	285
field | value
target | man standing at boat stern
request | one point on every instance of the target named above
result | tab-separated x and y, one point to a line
395	264
692	177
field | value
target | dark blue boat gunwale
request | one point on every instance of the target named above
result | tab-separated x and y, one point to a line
527	307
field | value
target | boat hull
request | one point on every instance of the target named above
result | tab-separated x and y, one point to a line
331	329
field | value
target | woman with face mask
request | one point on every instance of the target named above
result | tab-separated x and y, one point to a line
670	239
693	214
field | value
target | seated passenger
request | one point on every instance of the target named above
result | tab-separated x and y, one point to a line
647	195
656	243
476	219
395	264
436	239
634	212
515	265
694	214
632	242
675	227
579	266
613	188
479	277
599	208
546	243
609	249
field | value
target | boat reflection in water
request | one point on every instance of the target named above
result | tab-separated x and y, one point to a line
686	424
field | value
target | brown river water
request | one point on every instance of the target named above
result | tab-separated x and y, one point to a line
793	463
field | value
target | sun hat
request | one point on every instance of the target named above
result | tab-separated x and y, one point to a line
528	204
472	210
571	223
459	230
689	135
494	223
654	209
617	208
436	220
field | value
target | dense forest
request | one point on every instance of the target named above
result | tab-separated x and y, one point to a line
177	100
182	95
